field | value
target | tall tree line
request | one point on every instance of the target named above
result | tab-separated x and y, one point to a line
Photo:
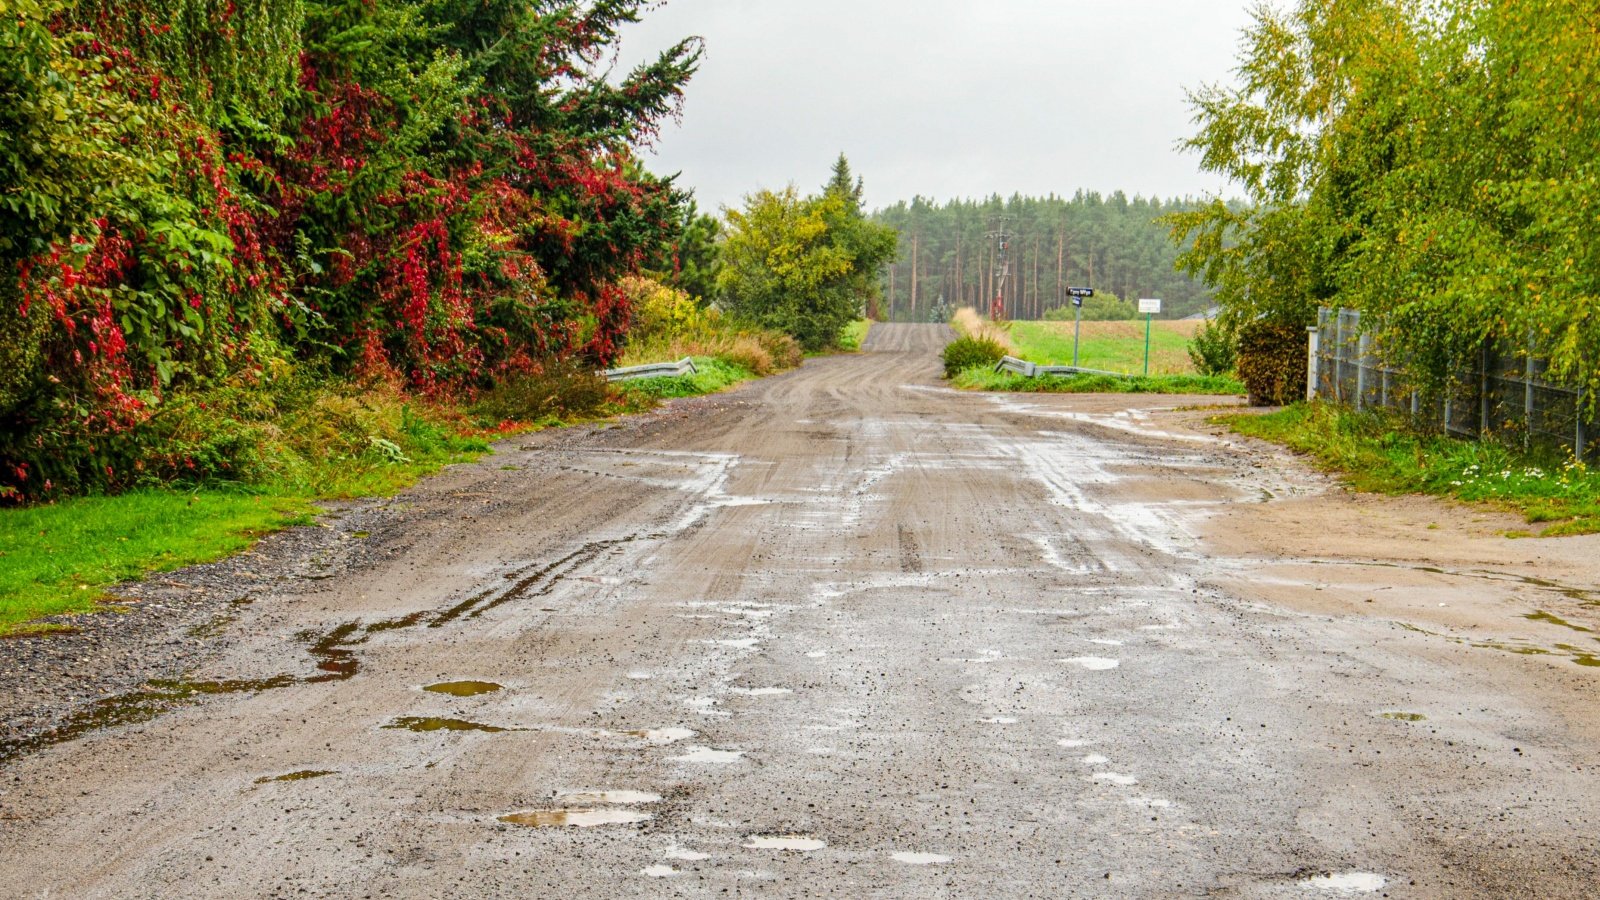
949	254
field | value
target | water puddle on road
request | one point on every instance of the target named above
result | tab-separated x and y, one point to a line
1092	663
1542	616
620	798
463	688
1347	882
575	818
1403	716
658	872
920	859
678	853
795	843
306	775
434	723
1116	778
709	756
662	736
760	692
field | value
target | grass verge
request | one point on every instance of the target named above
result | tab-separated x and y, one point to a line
281	449
986	379
1379	452
1111	346
854	334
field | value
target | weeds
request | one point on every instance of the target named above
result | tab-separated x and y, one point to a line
1379	451
984	378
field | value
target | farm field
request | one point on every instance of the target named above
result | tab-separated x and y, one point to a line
1112	346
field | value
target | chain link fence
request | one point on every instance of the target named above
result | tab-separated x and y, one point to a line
1503	394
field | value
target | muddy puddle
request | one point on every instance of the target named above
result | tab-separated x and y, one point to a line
1403	716
920	859
463	688
1346	882
576	818
305	775
708	756
662	736
796	843
434	723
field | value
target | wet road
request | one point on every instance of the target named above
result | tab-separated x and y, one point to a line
847	633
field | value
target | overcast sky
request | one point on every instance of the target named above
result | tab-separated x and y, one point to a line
944	98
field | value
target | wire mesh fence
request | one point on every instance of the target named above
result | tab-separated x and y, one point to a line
1503	393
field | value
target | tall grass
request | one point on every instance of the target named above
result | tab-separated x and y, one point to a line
968	323
1379	451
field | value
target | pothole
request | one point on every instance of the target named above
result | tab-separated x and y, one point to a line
710	756
1092	663
463	688
792	842
576	818
662	736
920	859
435	723
305	775
1347	882
613	797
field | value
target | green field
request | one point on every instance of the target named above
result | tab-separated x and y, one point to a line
1109	346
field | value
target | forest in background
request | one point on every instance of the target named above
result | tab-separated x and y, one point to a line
1111	243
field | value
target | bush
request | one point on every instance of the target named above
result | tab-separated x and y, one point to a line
1272	362
1214	349
559	390
971	352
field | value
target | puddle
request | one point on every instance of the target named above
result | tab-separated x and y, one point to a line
306	775
1093	663
1404	716
817	654
1150	802
1095	759
1347	882
1542	616
623	798
658	872
1105	642
708	755
793	842
683	855
463	688
431	723
740	643
920	859
640	676
662	736
576	818
1116	778
1071	743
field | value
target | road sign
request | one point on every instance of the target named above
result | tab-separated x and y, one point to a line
1150	307
1080	292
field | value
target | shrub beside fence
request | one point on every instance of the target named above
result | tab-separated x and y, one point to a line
1502	393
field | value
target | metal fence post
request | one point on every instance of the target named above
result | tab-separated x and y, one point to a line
1362	343
1313	364
1578	444
1527	398
1338	356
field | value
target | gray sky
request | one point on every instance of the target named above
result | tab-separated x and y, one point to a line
946	98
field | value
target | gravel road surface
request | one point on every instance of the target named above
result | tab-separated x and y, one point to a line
847	633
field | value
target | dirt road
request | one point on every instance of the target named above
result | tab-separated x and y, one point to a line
847	633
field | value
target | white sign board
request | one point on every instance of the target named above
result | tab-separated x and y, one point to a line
1149	306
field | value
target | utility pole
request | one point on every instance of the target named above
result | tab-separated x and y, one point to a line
1000	234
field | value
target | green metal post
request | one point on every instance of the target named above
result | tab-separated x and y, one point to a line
1077	329
1147	318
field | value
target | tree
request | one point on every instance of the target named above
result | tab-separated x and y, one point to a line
803	265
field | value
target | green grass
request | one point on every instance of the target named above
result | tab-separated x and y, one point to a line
59	558
854	333
711	375
1110	346
986	379
306	444
1378	452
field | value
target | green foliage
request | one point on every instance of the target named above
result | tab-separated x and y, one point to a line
711	375
805	266
971	351
560	391
1272	362
1109	346
1379	451
1214	349
986	379
1435	165
854	334
1104	306
1112	243
61	557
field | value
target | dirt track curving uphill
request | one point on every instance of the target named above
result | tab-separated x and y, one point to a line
845	632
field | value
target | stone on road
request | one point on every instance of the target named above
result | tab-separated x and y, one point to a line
845	632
